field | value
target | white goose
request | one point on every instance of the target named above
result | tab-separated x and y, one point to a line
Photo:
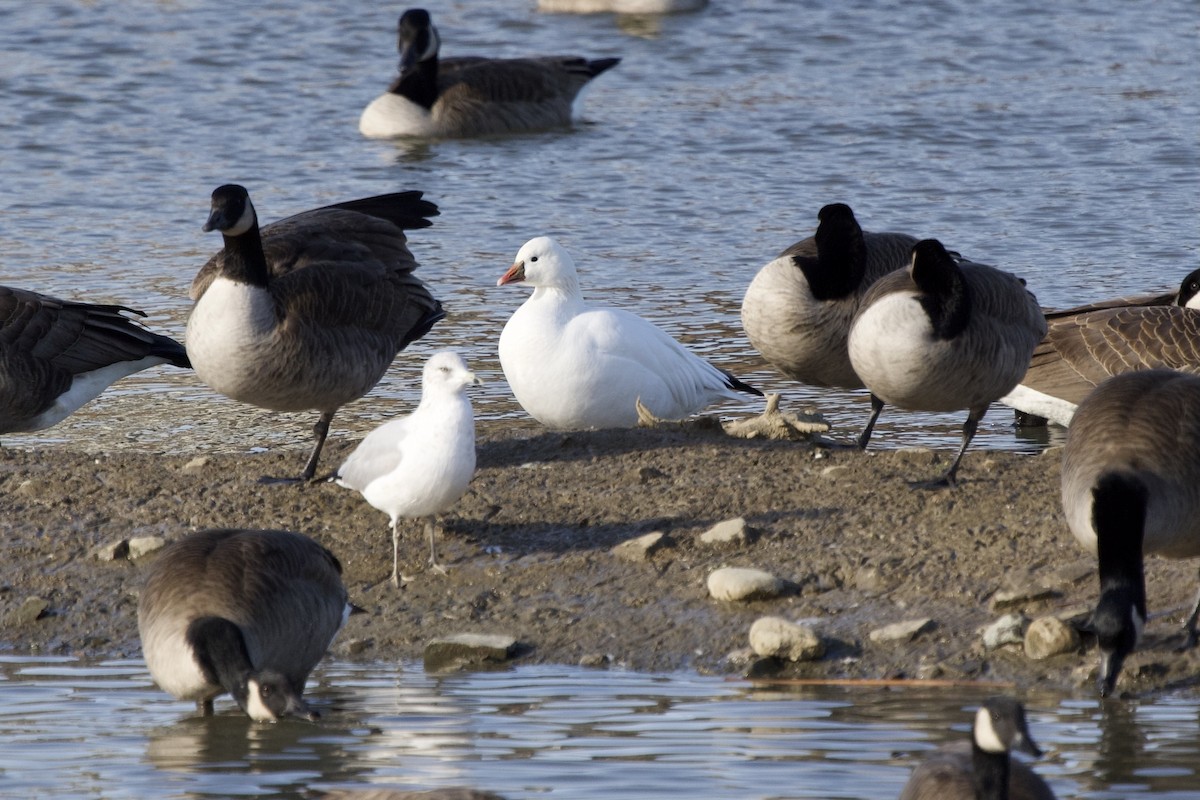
473	96
576	366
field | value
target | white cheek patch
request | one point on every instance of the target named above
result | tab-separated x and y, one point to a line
1139	625
245	221
985	733
254	704
435	43
1194	301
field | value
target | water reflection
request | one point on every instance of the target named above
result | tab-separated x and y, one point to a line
74	729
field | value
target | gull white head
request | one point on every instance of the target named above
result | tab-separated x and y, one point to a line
447	371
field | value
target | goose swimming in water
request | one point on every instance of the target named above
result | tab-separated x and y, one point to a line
473	96
308	313
56	355
982	767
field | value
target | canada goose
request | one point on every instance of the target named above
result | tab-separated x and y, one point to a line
56	355
1088	344
981	768
241	611
942	336
473	96
1131	485
575	366
419	465
309	313
798	309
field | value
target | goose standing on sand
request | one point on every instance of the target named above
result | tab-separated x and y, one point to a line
308	313
943	335
798	309
241	611
983	769
574	366
56	355
421	464
473	96
1130	486
1086	345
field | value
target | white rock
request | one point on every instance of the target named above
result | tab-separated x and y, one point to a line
731	531
901	631
741	583
144	545
1050	636
640	548
775	637
1009	629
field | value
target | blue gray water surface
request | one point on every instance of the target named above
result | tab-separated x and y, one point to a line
103	731
1055	140
1058	140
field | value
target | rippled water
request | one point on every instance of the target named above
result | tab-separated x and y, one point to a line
1057	140
102	730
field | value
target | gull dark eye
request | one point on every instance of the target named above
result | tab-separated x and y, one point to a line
535	258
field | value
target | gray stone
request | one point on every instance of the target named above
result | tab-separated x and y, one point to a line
1009	629
835	471
742	583
1050	636
464	650
641	548
197	464
1021	595
112	551
731	531
144	545
904	631
31	610
775	637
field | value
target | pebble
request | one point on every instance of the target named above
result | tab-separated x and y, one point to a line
743	583
1009	629
113	551
464	650
196	464
731	531
904	631
144	545
836	471
776	637
641	548
1020	595
1050	636
31	610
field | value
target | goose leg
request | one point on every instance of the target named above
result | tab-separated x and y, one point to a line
1189	627
320	431
950	477
865	436
396	577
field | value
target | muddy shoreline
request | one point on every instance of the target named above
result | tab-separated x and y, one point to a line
529	554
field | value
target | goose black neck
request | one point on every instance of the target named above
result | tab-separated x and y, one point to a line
418	83
222	655
989	773
841	259
1119	518
245	261
945	296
